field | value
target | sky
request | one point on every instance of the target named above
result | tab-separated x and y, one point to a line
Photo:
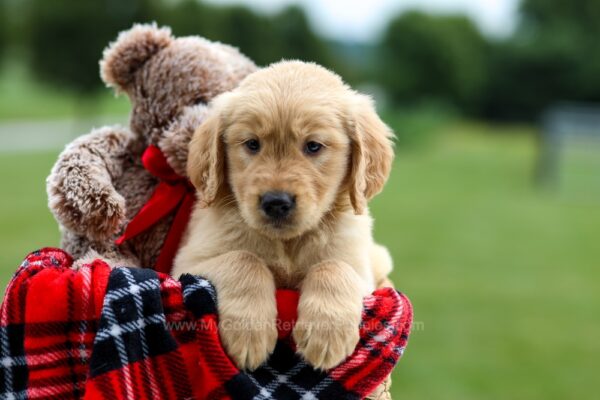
363	20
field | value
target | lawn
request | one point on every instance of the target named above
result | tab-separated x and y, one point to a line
25	222
504	278
23	98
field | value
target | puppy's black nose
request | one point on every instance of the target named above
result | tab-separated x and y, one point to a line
277	204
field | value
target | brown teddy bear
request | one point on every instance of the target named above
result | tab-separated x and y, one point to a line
99	182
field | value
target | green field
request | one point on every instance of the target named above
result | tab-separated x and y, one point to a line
504	278
23	98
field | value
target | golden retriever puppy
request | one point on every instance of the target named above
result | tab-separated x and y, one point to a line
284	167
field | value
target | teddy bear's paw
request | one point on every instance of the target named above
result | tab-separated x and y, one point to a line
109	215
325	340
95	211
249	334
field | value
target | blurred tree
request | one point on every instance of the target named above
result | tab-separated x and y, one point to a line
252	33
263	38
578	16
525	78
266	39
67	37
189	17
296	38
572	27
3	32
236	25
426	57
553	55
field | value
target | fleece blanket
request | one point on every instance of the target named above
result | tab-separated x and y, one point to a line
130	333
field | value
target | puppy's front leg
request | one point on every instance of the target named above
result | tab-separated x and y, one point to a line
329	314
246	304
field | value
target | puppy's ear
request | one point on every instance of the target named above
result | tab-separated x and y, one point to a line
372	153
206	159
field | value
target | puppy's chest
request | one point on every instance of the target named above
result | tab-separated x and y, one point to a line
290	263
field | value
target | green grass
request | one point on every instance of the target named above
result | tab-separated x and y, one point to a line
23	98
25	222
504	278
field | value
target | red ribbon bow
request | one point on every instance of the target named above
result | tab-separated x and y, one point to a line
173	193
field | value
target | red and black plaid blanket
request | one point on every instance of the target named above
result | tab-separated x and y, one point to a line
125	333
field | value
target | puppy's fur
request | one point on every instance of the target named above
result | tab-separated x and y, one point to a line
325	247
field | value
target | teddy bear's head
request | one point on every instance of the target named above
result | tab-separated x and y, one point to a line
168	78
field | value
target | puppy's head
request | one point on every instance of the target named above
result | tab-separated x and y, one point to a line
291	143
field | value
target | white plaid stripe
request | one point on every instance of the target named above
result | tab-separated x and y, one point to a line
135	290
266	392
134	326
22	395
117	294
203	285
8	360
36	360
285	379
115	330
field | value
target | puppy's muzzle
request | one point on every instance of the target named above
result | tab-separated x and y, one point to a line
277	205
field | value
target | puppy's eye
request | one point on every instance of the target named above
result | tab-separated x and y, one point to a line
252	145
312	147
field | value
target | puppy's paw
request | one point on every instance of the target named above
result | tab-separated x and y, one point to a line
248	331
325	339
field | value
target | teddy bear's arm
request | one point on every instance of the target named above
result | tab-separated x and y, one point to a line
80	190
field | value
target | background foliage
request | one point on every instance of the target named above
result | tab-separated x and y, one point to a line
554	54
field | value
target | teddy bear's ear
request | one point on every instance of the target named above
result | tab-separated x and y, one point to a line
123	57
